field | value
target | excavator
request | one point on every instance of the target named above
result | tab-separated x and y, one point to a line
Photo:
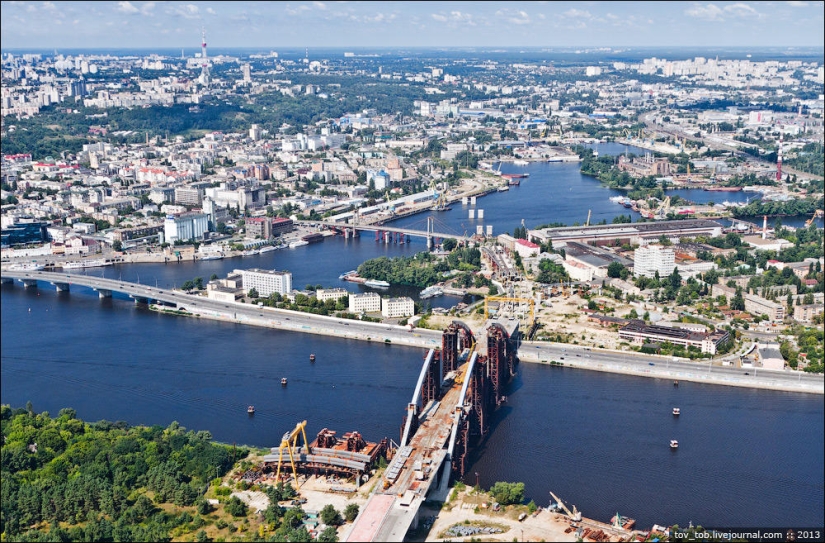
817	213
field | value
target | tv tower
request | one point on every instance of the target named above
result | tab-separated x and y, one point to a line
779	157
204	59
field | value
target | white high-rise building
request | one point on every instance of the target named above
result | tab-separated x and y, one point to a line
266	281
185	226
650	259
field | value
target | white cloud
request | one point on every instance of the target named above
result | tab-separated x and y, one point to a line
49	6
126	7
297	11
521	18
455	18
514	17
320	5
577	14
741	10
211	11
712	12
147	8
797	4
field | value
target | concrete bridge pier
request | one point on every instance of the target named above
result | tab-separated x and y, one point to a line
104	293
429	243
387	237
61	287
29	283
140	299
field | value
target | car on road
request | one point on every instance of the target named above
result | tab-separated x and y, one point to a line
651	364
746	373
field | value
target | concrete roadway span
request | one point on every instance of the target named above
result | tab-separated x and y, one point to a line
630	363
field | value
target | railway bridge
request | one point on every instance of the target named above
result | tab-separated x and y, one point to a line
457	390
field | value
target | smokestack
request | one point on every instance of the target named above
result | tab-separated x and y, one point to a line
764	227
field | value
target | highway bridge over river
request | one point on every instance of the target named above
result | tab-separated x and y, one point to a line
388	233
457	390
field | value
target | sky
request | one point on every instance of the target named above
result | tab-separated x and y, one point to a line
154	24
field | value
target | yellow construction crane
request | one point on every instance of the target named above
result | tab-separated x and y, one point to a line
817	213
290	442
506	299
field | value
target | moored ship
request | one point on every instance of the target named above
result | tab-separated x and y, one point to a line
86	264
430	292
376	284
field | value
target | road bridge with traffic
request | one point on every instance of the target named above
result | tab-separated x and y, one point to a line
389	233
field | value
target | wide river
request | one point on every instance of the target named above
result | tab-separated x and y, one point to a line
599	441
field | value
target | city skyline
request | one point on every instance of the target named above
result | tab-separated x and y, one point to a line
147	24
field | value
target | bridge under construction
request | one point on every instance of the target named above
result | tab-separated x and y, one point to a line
455	395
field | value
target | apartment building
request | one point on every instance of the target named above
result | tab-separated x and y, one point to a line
368	302
265	282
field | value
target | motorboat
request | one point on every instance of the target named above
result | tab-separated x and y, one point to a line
283	381
674	444
312	357
251	409
676	411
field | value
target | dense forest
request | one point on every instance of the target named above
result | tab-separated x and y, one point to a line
64	479
811	159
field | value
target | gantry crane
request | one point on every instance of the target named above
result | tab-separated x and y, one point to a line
290	442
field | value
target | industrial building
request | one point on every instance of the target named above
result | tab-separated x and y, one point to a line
640	333
634	234
185	227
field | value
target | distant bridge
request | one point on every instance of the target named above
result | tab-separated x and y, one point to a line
388	233
455	395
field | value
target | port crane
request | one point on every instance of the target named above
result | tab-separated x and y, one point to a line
574	515
290	443
663	209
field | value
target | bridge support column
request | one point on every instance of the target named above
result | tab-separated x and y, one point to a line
140	299
61	287
104	293
378	235
387	237
29	283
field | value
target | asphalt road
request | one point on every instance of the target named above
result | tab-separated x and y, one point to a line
570	355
